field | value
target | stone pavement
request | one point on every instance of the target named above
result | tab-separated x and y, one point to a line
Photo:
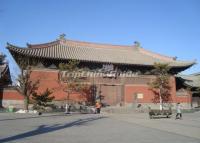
189	126
93	128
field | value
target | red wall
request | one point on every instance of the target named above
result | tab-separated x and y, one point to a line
148	95
11	94
130	91
49	79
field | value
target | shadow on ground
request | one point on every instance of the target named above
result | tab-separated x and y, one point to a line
31	117
43	129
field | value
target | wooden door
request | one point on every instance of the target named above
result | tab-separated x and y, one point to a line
111	94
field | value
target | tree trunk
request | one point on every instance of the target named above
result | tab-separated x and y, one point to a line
161	104
26	102
68	97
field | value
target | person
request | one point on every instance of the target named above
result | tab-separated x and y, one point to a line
67	108
98	107
80	108
178	111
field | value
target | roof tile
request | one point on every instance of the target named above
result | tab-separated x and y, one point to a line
68	49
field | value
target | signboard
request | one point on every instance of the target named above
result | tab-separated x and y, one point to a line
140	95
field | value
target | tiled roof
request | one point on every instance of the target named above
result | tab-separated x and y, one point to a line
84	51
192	80
3	69
5	74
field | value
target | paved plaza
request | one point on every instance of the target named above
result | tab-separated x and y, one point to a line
93	128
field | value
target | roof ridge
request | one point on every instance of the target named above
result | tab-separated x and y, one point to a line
43	45
96	43
67	42
11	45
91	47
156	55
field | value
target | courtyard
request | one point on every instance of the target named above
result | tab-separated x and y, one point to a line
98	128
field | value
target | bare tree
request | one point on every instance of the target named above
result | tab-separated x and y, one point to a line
25	85
161	86
73	82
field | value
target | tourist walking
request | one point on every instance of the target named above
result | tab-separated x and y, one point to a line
98	107
67	108
178	111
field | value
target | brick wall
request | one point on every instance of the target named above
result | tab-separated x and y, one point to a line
49	79
11	94
113	94
146	95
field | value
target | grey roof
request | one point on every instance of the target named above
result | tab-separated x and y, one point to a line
84	51
3	69
5	74
192	80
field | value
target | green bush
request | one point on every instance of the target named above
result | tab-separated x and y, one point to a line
42	100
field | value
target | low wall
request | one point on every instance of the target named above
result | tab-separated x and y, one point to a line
11	97
14	103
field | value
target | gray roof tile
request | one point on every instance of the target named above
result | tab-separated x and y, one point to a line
68	49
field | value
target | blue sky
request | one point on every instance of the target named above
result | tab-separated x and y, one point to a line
169	27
